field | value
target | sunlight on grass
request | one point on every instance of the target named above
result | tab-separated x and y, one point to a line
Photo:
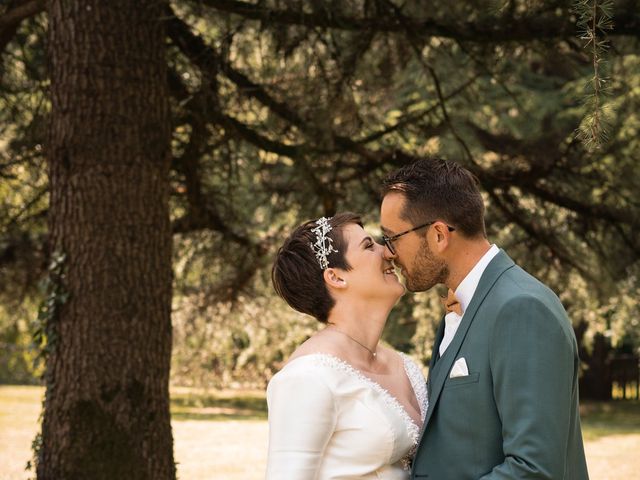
19	411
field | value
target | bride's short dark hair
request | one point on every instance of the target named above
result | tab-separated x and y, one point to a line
296	273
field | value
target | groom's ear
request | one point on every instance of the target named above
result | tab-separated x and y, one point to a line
334	278
441	236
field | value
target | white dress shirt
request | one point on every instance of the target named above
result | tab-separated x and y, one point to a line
464	293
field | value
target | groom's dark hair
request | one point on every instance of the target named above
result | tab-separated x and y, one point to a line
437	189
296	273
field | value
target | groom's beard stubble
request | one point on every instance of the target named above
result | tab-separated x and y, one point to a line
426	270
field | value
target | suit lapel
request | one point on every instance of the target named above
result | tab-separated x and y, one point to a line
436	345
498	265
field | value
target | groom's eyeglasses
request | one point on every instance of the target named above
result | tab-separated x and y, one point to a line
388	241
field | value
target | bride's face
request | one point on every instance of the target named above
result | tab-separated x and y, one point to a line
371	275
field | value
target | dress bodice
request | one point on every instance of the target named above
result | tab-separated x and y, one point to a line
327	420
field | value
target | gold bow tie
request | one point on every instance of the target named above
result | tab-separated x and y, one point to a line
451	303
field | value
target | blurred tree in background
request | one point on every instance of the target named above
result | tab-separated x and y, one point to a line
284	110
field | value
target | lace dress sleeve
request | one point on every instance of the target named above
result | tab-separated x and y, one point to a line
302	418
418	382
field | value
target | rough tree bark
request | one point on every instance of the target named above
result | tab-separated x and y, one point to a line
107	402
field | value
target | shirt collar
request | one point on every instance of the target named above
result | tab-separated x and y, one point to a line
468	285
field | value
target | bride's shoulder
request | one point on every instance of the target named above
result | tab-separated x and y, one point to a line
311	373
313	347
314	360
303	384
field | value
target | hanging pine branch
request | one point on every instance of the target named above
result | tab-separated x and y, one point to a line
594	20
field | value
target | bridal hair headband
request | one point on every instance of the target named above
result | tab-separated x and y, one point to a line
323	245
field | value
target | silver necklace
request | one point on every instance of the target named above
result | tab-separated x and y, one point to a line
335	329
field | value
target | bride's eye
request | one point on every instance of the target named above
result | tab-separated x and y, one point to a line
369	246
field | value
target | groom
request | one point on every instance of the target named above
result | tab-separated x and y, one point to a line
503	378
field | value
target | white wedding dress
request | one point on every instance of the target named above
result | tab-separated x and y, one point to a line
328	421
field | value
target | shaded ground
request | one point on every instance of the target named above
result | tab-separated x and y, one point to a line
190	404
613	418
224	436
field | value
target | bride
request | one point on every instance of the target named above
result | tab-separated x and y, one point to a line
343	406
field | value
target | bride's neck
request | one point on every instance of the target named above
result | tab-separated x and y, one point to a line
364	323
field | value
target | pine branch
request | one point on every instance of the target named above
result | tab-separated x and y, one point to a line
595	19
533	26
412	37
205	57
511	209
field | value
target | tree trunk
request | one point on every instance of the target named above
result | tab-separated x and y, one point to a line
107	403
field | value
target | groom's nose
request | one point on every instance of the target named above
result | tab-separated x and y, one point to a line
387	253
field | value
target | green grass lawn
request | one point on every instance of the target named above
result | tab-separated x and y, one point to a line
598	418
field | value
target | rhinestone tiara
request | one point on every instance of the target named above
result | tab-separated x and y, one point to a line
323	246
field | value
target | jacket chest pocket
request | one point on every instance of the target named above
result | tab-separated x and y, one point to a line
460	381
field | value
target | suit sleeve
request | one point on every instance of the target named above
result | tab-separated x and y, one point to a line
302	418
532	360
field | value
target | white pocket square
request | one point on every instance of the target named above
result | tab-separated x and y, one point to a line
459	368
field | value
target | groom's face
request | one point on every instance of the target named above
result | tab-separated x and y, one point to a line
419	265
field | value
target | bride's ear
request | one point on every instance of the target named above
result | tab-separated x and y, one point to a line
334	279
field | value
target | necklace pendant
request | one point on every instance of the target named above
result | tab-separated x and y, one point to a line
375	354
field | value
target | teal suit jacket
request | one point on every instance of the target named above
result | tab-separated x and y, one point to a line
515	416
